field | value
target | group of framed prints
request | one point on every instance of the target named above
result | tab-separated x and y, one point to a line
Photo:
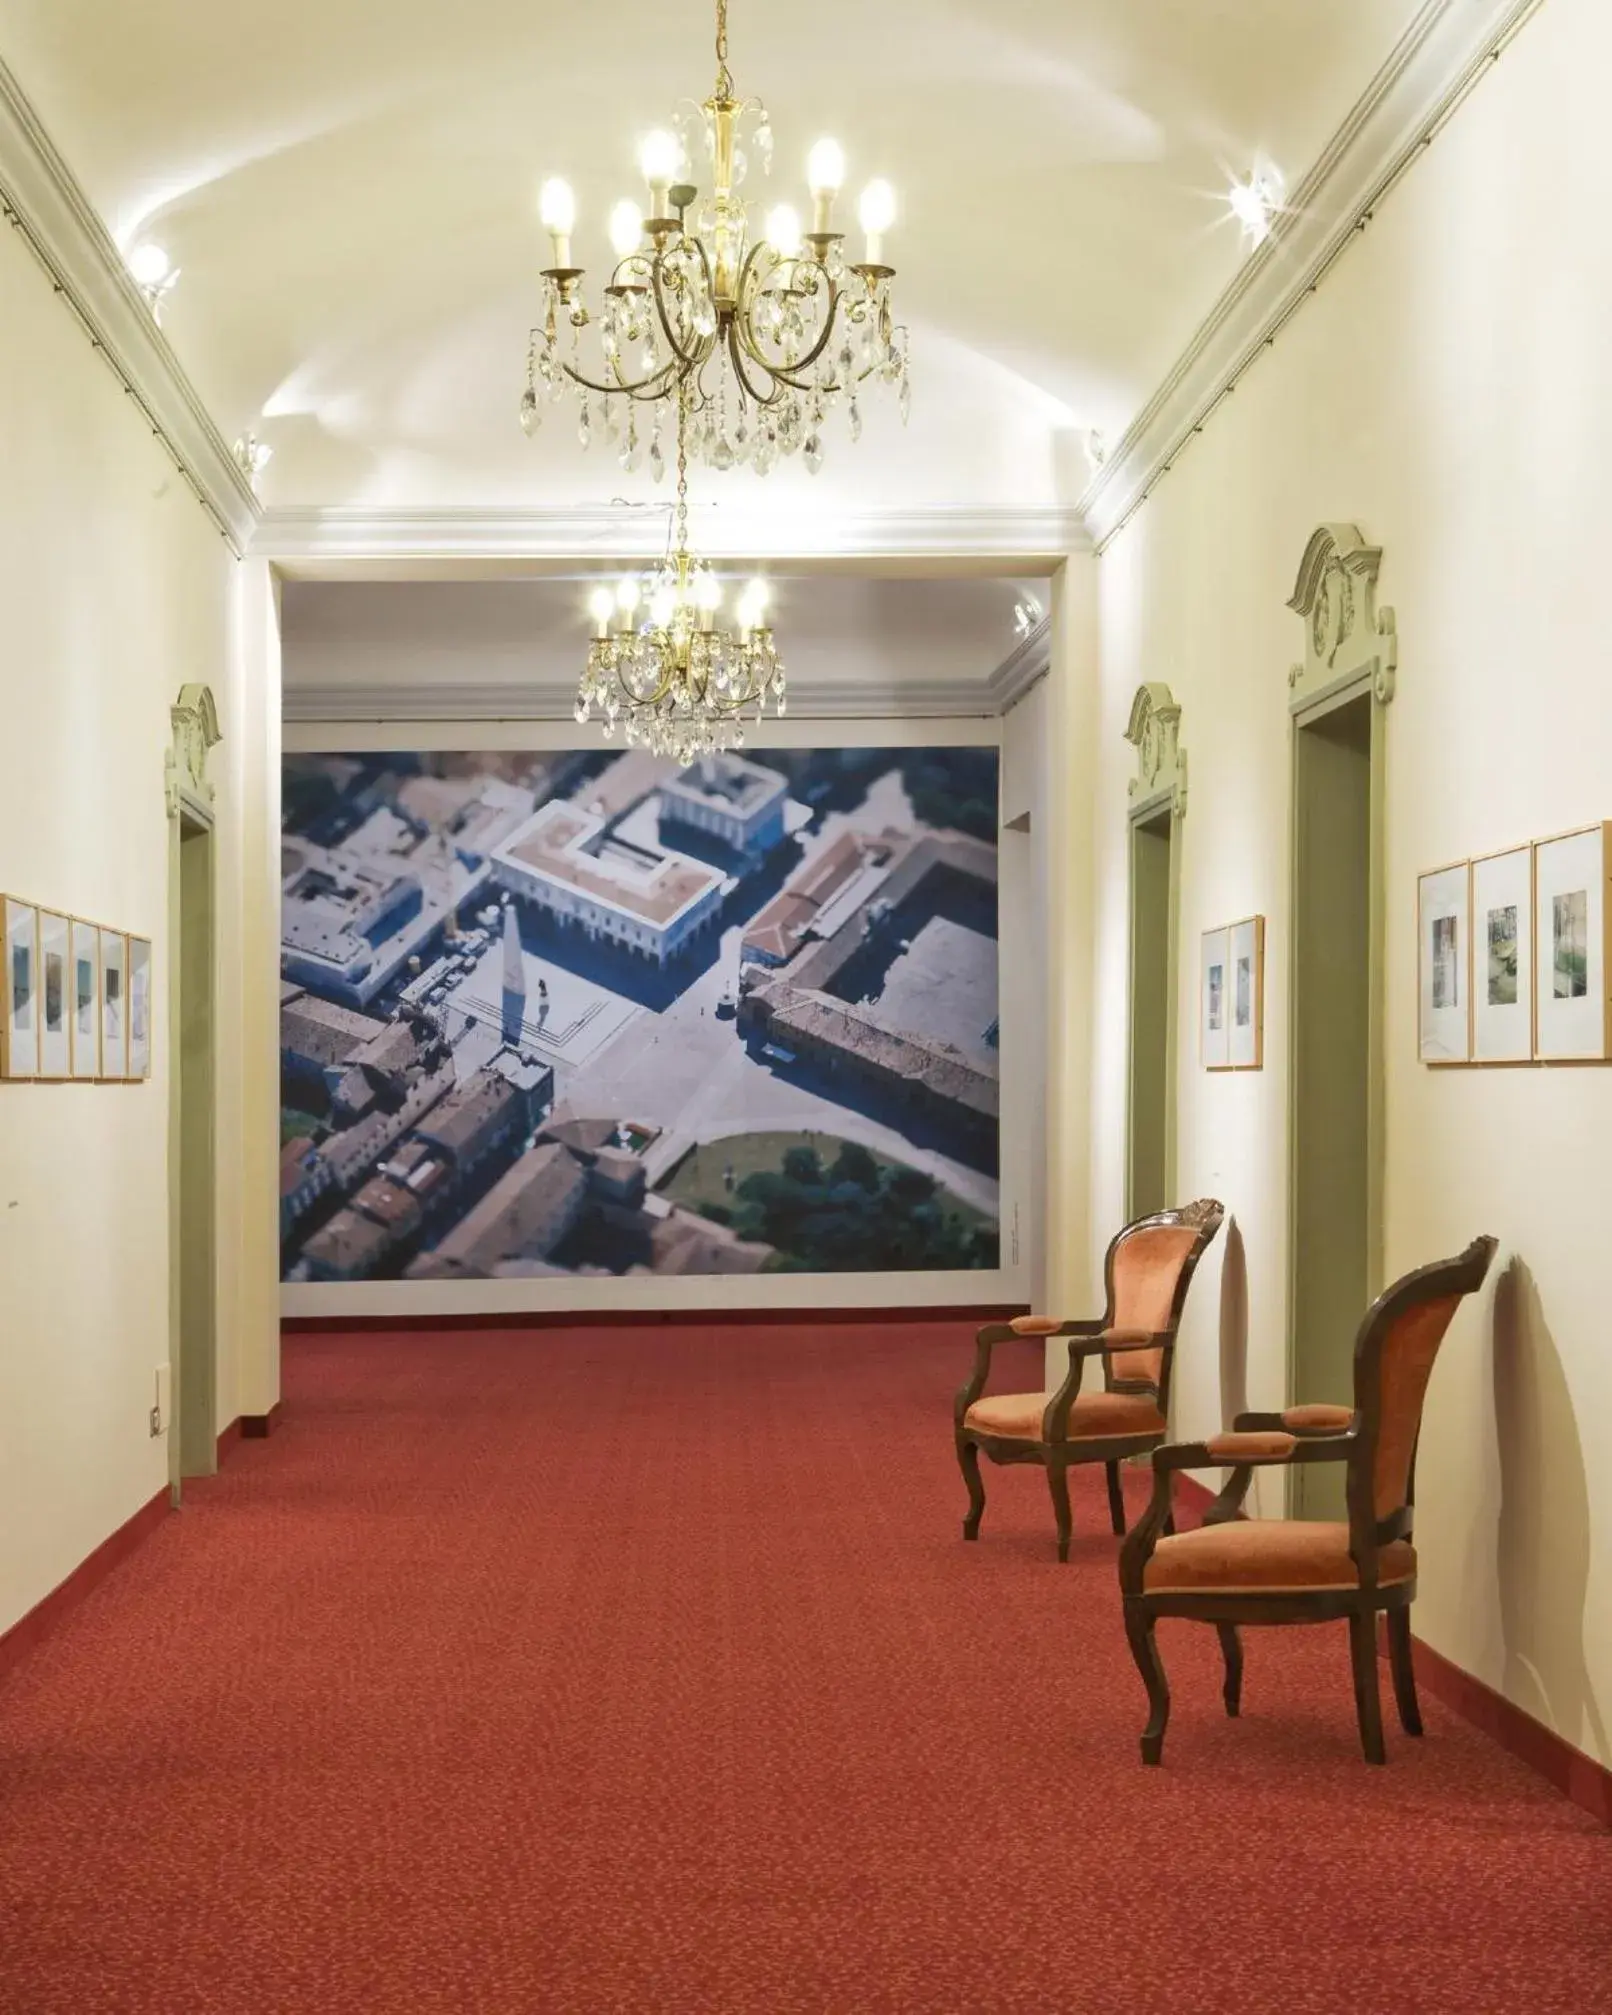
1231	1012
77	999
1514	954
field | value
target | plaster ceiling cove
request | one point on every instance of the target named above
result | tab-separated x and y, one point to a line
351	198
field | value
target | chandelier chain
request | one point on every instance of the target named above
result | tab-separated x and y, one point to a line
682	467
724	78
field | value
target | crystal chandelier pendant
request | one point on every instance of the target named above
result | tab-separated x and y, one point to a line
752	321
682	681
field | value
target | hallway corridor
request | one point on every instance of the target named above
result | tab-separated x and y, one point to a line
643	1668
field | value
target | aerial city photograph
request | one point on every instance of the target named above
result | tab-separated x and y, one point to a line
570	1013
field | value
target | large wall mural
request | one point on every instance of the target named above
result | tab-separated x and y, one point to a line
582	1013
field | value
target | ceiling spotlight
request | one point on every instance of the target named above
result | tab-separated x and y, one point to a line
1026	614
252	457
154	273
1257	202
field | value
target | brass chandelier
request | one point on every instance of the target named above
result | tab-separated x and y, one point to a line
764	334
678	684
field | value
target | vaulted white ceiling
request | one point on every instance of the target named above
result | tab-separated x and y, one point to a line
349	191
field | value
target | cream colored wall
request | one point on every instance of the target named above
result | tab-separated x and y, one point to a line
1449	389
116	591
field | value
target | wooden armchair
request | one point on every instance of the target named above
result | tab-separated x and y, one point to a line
1147	1272
1234	1570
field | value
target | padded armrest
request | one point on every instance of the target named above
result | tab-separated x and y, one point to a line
1318	1419
1242	1448
1035	1325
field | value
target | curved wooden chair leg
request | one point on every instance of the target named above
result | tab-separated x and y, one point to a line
1368	1702
1399	1663
1231	1649
1116	1498
968	1460
1058	1484
1145	1650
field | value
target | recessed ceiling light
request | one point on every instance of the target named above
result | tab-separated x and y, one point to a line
154	273
252	456
1026	614
1257	202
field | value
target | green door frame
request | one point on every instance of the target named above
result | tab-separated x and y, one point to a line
1158	791
192	1167
1351	650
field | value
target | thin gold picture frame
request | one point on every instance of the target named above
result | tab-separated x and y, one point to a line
78	924
8	1071
1258	998
1604	828
43	1076
1478	861
1463	867
97	932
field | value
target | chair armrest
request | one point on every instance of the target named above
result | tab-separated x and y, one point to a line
1244	1451
1052	1325
1318	1419
1101	1343
1251	1447
1307	1421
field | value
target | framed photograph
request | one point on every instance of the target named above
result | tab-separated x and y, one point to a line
114	1004
1214	1016
1572	1013
1503	957
19	1028
139	1007
1246	970
55	1019
1444	965
84	1003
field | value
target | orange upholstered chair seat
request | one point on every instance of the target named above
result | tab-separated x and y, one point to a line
1251	1555
1017	1415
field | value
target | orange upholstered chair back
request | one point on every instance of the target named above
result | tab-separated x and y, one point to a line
1394	1356
1149	1267
1409	1346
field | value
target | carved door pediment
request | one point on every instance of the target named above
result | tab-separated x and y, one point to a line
1161	762
194	722
1347	638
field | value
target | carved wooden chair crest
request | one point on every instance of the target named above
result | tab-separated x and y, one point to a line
1234	1570
1147	1272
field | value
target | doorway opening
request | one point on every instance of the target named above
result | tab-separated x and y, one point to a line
1150	1102
1334	1133
193	1431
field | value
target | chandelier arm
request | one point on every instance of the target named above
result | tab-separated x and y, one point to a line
765	400
623	388
787	371
692	359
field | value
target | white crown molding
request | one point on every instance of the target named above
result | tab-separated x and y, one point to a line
41	199
1029	660
554	700
332	543
1447	48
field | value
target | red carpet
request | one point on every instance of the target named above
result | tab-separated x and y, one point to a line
646	1670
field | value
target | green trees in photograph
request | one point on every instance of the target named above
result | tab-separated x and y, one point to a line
858	1213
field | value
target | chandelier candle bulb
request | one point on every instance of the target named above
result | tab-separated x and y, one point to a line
626	228
658	158
876	213
825	176
783	231
557	207
601	606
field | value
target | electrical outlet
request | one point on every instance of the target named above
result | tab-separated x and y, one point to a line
160	1411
